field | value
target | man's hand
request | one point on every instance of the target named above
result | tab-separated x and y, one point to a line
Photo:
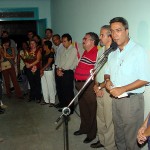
28	65
59	72
92	73
98	92
41	72
140	137
117	91
108	85
95	88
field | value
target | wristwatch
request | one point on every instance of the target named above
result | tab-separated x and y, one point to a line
99	87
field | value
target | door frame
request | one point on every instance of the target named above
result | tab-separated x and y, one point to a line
33	10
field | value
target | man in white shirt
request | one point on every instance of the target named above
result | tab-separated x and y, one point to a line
66	64
105	126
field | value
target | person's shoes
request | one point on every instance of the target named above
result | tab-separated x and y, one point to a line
51	105
87	140
78	132
3	106
25	94
44	103
21	97
58	105
12	89
96	145
60	110
29	100
38	101
71	112
2	110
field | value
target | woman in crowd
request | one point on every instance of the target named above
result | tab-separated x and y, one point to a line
7	66
32	60
38	41
47	74
2	106
22	68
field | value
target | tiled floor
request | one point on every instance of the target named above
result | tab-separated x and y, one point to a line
31	126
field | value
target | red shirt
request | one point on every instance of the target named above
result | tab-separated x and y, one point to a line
32	57
86	63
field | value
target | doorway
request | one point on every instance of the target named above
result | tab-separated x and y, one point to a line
18	21
18	29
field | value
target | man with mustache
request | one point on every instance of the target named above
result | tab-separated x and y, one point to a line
87	100
126	75
105	126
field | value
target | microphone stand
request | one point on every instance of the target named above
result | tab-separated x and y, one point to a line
66	110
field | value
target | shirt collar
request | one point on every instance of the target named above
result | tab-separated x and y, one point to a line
69	47
91	50
126	47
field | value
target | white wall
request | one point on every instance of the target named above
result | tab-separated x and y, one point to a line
80	16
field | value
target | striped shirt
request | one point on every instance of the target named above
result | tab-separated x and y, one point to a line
86	63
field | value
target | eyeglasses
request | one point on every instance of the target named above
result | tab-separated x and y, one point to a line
117	30
84	39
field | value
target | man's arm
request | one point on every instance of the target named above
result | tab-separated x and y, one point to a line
143	132
134	85
108	82
98	89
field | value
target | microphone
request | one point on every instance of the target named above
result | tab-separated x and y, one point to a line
113	47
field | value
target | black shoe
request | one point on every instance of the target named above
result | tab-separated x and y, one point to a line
44	103
2	110
60	110
21	97
12	89
88	140
78	132
38	101
71	112
25	94
96	145
51	105
58	105
29	100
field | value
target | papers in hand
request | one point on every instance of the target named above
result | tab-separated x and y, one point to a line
125	94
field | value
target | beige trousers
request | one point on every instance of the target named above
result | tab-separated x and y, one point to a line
105	124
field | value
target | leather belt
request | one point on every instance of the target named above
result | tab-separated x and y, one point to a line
80	80
129	95
132	94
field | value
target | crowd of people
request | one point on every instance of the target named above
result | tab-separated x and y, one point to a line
111	105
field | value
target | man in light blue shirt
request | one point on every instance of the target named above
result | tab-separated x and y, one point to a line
126	75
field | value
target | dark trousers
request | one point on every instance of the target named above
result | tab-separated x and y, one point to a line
88	107
11	74
66	89
35	84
